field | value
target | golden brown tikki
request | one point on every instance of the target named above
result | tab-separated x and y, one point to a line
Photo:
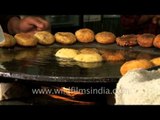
113	56
85	35
26	39
127	40
105	37
65	38
156	61
44	37
67	53
88	57
135	64
156	41
145	40
9	41
89	50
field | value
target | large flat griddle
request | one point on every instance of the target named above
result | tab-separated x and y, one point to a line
38	64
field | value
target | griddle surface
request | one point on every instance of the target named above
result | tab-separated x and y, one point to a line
39	64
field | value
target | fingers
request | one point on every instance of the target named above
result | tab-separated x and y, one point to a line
43	24
34	23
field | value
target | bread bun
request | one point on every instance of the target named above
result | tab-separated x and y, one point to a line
156	41
26	39
68	53
105	37
44	37
145	40
85	35
135	64
65	37
87	57
156	61
9	41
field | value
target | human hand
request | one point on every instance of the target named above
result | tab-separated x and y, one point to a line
27	24
33	24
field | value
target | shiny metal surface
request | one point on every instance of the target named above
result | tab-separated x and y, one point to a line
40	65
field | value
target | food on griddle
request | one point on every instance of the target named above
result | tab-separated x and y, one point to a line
156	41
156	61
89	50
145	40
44	37
88	57
26	39
105	37
65	37
9	41
113	56
135	64
85	35
68	53
127	40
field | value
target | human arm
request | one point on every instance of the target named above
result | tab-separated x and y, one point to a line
27	24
